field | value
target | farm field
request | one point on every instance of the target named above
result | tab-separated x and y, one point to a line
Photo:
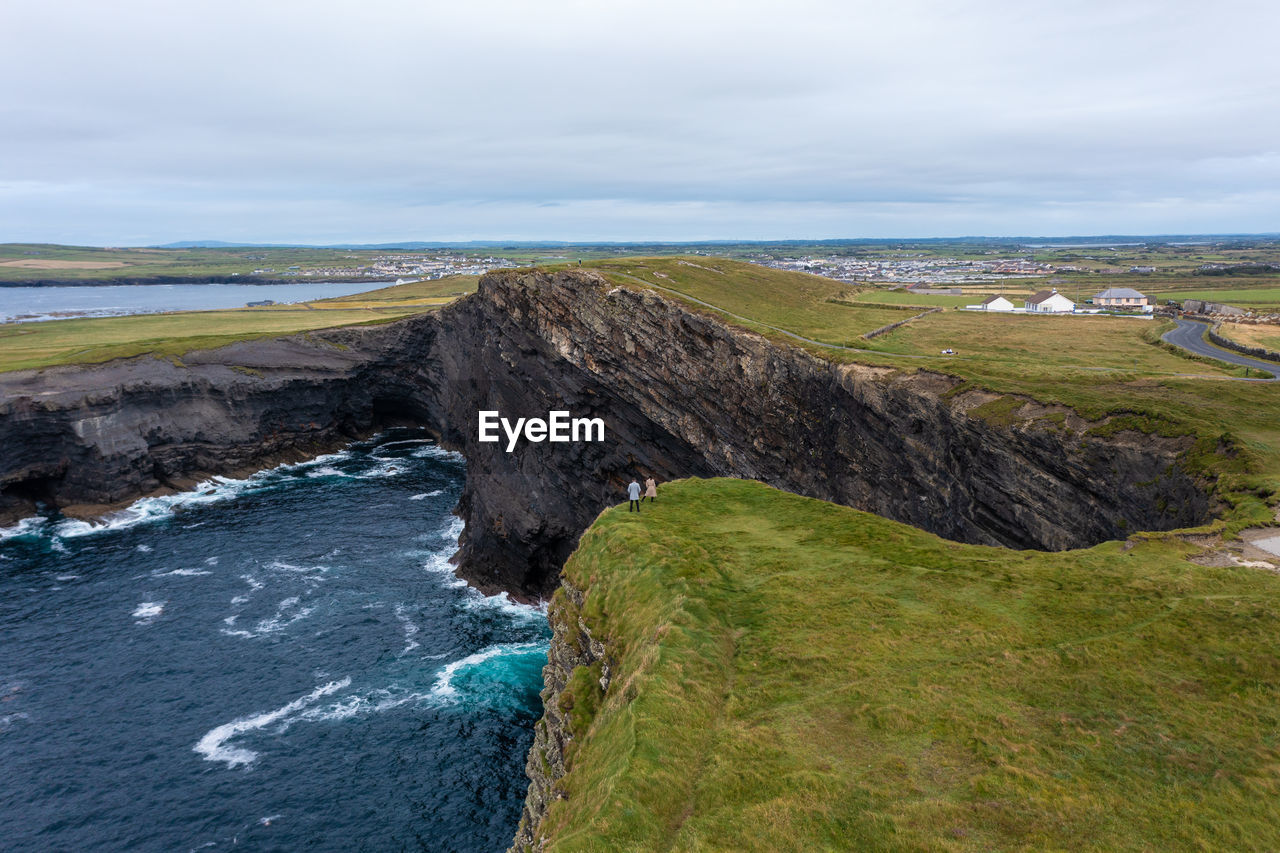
33	345
1257	298
1267	337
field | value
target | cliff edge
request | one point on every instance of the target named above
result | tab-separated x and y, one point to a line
680	392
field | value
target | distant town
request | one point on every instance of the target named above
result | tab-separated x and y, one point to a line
938	270
400	266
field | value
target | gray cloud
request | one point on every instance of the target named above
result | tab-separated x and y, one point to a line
144	122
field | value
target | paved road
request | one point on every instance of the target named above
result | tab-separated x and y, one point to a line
1189	334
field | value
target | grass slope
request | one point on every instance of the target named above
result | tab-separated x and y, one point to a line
789	674
33	345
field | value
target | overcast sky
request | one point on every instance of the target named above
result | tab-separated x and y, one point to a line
129	122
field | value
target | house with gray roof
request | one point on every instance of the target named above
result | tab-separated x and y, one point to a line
1124	299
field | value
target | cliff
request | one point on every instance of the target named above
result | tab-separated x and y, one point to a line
681	394
85	438
684	394
744	669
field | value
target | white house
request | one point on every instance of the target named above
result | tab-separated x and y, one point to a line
997	303
1050	302
1125	299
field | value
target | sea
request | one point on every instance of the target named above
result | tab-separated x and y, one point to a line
279	663
29	304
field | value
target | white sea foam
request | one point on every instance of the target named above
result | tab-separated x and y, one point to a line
438	564
502	603
254	586
435	451
215	746
433	494
148	611
281	566
65	578
318	462
410	629
185	573
211	491
404	441
454	530
211	561
378	701
25	527
144	549
444	689
287	613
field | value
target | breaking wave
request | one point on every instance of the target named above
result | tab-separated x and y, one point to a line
215	746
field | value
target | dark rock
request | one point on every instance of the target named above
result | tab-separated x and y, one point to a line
681	393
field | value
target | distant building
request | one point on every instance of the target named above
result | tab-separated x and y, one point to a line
1123	298
262	304
997	303
1049	302
1143	270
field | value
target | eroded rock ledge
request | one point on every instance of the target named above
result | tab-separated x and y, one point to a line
682	394
686	395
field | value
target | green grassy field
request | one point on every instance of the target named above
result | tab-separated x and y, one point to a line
884	296
1267	337
31	261
1256	298
788	674
31	345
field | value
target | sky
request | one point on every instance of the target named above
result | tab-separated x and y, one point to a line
139	123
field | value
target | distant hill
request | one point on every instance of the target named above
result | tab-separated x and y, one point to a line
419	245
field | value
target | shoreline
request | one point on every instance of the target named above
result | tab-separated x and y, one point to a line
145	281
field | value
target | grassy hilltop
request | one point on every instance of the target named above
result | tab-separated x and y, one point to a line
787	674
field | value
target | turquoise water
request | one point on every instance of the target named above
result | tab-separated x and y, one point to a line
280	663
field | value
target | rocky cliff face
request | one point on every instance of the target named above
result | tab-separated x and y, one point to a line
681	394
573	649
89	437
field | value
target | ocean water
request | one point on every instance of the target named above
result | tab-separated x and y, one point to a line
25	304
283	663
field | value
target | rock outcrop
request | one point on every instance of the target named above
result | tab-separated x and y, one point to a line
681	394
87	437
573	650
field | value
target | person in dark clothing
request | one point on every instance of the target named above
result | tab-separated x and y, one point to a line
633	495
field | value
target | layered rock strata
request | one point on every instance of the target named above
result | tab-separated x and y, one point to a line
684	394
681	393
88	437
